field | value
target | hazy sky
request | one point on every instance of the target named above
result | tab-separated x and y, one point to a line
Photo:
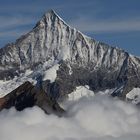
116	22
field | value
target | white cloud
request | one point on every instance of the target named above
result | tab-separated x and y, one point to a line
106	25
97	118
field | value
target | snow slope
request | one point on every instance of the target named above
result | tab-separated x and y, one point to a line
134	95
81	91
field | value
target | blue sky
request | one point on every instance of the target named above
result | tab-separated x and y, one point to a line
116	22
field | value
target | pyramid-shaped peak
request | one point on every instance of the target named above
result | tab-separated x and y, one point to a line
50	15
51	12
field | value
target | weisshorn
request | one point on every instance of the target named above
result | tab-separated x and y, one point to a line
58	58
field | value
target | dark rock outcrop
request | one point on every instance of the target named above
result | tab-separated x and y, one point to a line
28	95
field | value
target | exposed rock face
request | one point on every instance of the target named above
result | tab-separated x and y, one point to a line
83	61
28	95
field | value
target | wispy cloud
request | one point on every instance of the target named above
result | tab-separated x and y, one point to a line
107	25
10	22
13	27
12	33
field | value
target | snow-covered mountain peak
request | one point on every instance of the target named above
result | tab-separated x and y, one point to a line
51	12
54	40
50	18
50	15
55	46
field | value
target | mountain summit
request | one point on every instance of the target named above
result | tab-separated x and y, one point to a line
60	58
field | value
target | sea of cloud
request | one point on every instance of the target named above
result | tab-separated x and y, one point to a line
95	118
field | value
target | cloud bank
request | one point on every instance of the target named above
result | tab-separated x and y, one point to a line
97	118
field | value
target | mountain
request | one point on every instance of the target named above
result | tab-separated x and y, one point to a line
27	95
59	58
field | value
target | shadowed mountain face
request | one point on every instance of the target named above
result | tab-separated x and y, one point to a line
82	60
27	95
